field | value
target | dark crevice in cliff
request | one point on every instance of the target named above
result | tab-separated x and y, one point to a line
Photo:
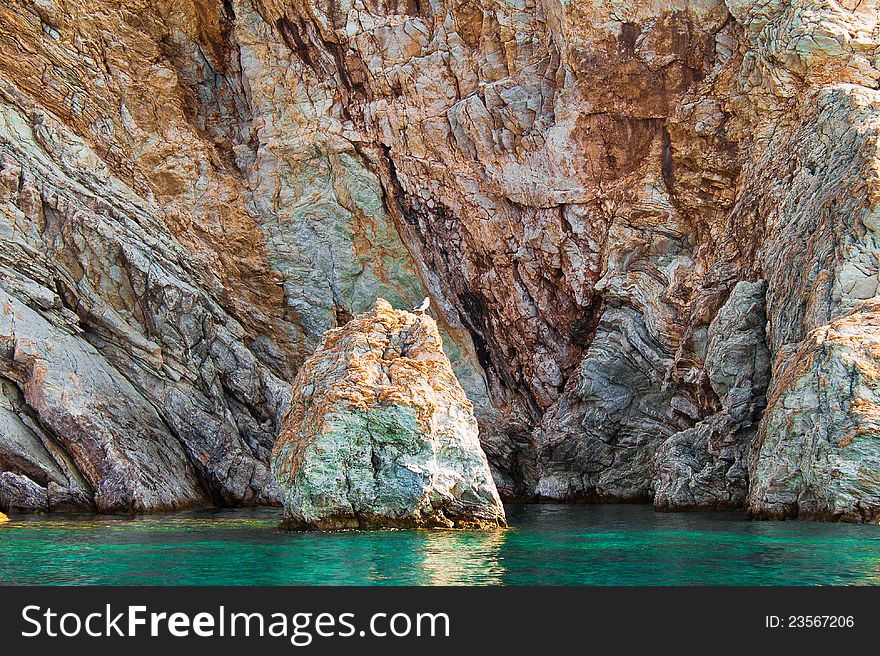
418	8
583	329
474	321
629	32
668	162
424	224
398	194
229	9
292	38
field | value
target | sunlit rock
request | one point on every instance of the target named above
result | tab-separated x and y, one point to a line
190	201
381	434
819	450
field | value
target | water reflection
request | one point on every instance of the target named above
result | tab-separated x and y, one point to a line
871	574
549	545
456	558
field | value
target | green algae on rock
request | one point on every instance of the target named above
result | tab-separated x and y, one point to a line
380	433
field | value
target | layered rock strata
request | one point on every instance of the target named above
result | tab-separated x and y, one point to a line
637	222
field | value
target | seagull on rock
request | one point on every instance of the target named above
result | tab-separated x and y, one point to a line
421	307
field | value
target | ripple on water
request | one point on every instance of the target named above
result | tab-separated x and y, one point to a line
547	545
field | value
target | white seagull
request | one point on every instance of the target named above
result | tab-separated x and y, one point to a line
421	307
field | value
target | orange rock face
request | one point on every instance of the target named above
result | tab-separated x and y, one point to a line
197	191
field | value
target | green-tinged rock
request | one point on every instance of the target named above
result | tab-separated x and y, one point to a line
381	434
818	454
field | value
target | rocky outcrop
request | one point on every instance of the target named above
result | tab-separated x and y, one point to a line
381	434
815	180
819	453
621	210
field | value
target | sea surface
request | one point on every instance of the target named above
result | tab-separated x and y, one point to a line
546	545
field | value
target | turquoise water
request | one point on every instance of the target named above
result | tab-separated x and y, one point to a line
548	545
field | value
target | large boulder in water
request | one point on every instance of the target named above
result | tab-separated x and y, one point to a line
380	433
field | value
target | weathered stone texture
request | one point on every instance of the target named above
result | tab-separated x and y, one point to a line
381	434
819	451
622	212
707	466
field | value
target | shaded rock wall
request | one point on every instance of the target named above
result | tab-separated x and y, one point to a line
624	212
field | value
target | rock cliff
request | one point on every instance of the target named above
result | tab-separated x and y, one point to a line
640	223
380	433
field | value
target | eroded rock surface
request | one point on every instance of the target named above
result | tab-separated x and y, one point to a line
381	434
707	466
591	192
819	453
